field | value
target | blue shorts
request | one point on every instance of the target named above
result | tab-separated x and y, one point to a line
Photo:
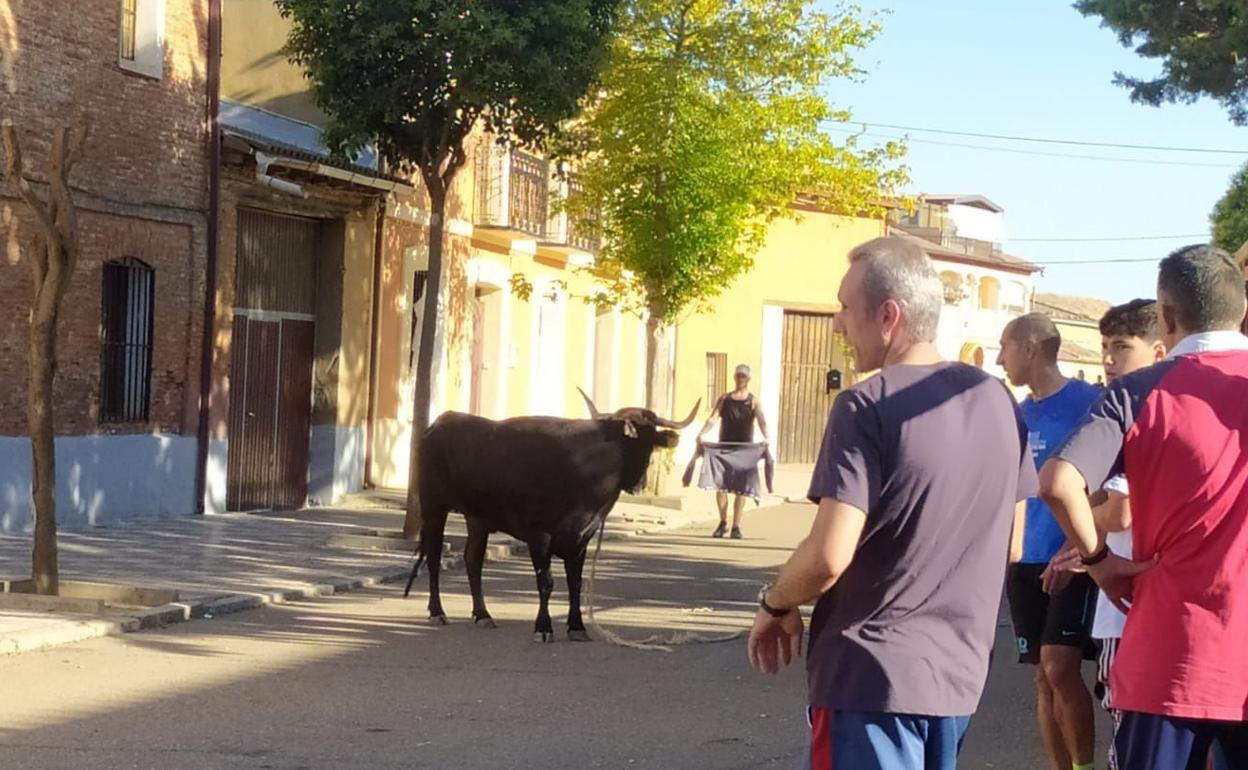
1154	742
850	740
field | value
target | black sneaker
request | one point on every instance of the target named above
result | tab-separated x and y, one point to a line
720	530
736	534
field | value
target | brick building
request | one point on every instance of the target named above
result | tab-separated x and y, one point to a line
127	388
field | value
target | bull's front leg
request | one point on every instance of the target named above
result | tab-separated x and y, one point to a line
474	561
575	568
431	541
539	552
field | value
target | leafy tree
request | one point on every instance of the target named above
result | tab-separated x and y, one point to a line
415	77
708	127
1230	214
53	258
1201	45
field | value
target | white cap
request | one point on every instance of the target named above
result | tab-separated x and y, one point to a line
743	369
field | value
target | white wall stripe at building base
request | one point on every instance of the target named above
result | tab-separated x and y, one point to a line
101	479
771	365
215	479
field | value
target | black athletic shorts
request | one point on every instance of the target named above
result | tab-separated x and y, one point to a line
1064	618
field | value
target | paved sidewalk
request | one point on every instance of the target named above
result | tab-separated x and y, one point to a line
233	562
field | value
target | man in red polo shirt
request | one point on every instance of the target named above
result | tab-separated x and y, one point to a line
1179	431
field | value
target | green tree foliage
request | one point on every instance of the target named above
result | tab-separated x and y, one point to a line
1201	45
1230	215
707	127
415	77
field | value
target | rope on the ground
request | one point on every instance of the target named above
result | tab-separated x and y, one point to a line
654	643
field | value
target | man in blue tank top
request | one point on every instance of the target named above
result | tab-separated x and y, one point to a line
1052	610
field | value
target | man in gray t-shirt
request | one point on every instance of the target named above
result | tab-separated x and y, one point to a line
919	481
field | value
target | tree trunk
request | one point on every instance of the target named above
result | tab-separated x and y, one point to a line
52	262
424	357
658	388
658	373
44	570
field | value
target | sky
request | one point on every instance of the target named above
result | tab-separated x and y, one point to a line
1040	69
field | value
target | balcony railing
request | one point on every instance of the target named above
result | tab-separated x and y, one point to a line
970	246
519	192
512	189
529	193
582	231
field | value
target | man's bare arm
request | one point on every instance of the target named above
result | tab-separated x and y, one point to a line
1016	534
1063	487
762	421
1114	515
711	420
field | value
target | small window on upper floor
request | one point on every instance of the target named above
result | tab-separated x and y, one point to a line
716	377
126	322
141	45
989	293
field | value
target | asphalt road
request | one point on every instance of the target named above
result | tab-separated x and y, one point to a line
362	681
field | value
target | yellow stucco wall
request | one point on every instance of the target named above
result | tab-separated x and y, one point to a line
253	69
799	267
1087	336
357	292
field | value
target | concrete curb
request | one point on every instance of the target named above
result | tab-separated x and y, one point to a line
80	629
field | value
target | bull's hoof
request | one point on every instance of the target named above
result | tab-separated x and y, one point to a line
544	636
486	622
439	620
578	635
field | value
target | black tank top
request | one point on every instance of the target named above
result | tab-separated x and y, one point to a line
736	419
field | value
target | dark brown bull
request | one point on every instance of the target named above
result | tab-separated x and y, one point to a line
547	481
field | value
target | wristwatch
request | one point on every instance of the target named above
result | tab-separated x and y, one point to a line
1099	556
772	611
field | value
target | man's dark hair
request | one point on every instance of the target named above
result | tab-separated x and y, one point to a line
1037	328
1205	286
1137	318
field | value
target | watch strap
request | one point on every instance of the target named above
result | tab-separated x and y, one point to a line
775	612
1101	555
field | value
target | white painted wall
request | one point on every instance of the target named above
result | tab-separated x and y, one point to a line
977	223
335	462
547	383
102	479
771	367
966	322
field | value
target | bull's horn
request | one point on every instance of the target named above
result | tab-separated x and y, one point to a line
687	421
593	410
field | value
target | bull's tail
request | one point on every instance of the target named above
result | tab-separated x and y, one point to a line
420	559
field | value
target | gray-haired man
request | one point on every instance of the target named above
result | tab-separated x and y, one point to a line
918	482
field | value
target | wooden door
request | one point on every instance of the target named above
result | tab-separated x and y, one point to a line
810	350
272	349
270	414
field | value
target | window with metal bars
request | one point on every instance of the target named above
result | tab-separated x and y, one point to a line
129	28
126	345
716	377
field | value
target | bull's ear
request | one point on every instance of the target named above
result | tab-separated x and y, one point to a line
630	429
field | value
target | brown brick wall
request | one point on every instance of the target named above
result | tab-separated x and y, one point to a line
141	190
167	248
58	65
